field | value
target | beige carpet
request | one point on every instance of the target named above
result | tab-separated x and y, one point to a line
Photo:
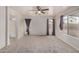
38	44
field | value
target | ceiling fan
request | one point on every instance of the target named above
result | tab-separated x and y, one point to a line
40	10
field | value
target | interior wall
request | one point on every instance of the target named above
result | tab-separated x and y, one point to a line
12	28
38	24
61	34
5	28
73	41
2	26
17	28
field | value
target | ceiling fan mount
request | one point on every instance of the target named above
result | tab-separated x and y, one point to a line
40	10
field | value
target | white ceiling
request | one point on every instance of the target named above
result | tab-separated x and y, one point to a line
53	10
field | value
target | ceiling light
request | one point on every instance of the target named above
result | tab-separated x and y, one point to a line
39	12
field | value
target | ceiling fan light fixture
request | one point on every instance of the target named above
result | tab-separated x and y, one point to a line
39	12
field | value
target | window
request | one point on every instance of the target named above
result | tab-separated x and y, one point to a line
71	24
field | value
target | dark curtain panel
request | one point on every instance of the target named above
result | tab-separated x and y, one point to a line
27	24
61	22
53	33
47	26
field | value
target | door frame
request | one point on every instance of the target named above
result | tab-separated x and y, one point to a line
53	32
53	28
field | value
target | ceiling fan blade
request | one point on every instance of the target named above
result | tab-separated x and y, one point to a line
42	12
38	7
44	9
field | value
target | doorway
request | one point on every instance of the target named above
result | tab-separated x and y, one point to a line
50	27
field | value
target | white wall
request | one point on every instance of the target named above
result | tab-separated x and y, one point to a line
38	25
2	27
12	28
73	41
17	28
6	28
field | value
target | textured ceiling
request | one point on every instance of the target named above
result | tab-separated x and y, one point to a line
53	10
